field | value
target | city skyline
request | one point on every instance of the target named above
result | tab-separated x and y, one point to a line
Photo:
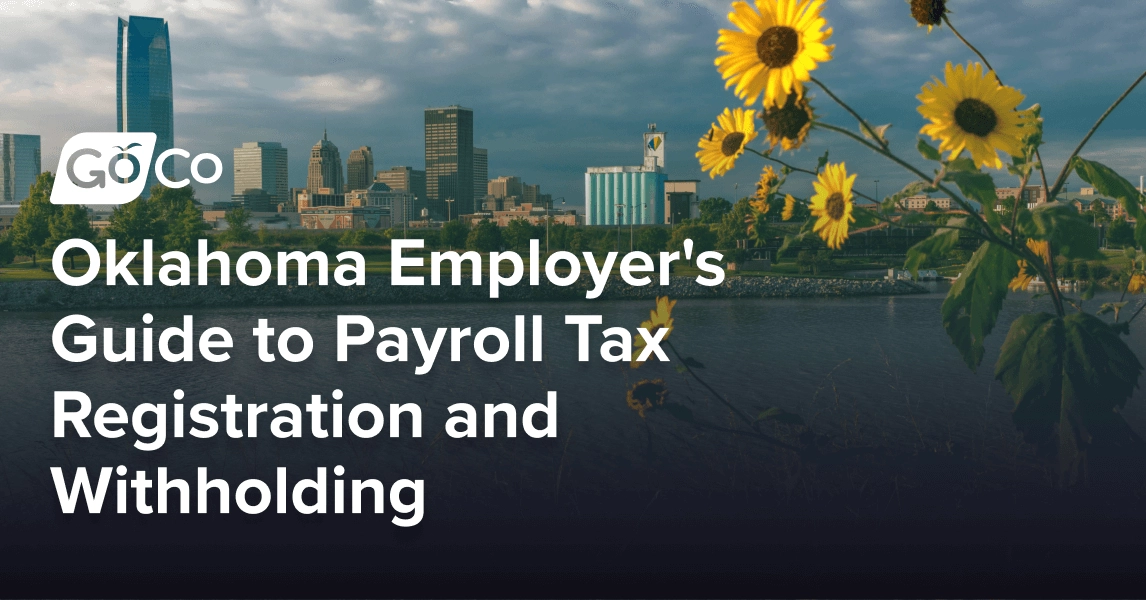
551	101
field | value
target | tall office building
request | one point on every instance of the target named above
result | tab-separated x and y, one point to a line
360	169
262	166
404	179
325	169
143	85
481	174
450	160
529	193
19	166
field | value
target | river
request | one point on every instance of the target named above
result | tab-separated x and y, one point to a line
861	372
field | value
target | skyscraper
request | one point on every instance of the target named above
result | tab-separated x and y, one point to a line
143	85
325	169
405	179
450	160
360	169
19	165
262	166
481	174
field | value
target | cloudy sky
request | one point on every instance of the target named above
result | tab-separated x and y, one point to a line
556	85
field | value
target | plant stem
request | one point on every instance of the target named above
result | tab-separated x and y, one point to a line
781	163
864	124
1061	180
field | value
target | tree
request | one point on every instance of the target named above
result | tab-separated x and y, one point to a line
69	222
517	234
185	228
7	255
132	223
30	226
652	239
931	206
713	209
326	243
1121	233
733	226
454	234
238	226
702	236
484	237
1098	213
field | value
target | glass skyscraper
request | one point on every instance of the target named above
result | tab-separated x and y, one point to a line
19	166
143	85
450	161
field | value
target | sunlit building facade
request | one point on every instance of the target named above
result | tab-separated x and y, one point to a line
262	166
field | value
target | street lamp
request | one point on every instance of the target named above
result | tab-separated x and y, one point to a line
449	209
620	211
631	219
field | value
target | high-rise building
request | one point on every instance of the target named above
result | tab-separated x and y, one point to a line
143	85
529	193
481	173
19	166
325	169
504	187
450	160
262	166
404	179
360	169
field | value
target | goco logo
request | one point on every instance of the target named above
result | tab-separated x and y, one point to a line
112	168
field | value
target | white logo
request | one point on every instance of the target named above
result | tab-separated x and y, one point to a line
112	168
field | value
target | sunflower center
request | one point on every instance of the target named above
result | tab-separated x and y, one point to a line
787	121
777	46
976	117
732	143
834	206
928	12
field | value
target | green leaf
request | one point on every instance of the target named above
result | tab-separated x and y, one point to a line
822	161
780	415
962	165
1109	183
978	186
935	247
927	150
1067	376
973	303
1068	232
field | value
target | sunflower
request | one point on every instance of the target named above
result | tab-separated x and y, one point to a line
833	204
972	111
788	124
789	208
928	12
774	50
1137	283
1027	272
648	394
659	318
726	141
764	187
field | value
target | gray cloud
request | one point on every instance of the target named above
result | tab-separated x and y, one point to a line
557	85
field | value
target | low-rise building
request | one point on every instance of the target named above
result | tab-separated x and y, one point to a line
324	209
919	203
7	215
682	200
526	211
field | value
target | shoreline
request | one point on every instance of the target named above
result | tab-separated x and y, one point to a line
53	295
